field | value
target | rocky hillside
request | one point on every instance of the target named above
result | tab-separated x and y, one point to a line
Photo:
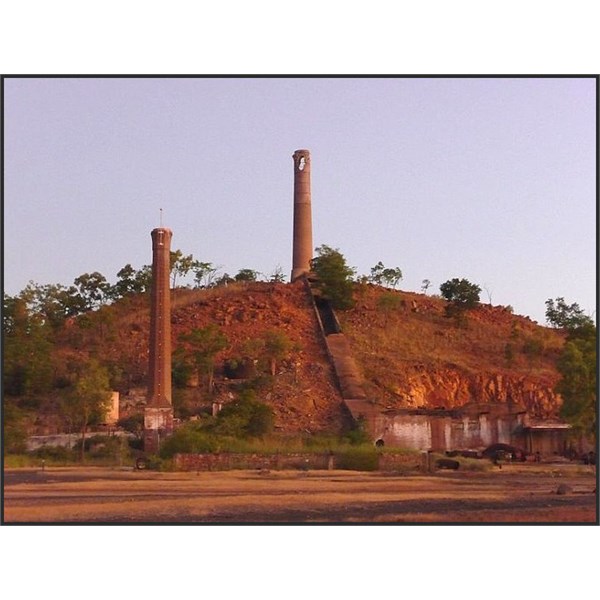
410	353
413	355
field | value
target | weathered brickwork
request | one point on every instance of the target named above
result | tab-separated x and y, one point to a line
302	242
225	461
158	414
402	462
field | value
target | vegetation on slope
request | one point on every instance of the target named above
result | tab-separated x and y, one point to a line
236	335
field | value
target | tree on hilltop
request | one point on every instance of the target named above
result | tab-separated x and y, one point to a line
561	315
461	295
130	281
204	274
93	289
382	275
246	275
180	265
334	277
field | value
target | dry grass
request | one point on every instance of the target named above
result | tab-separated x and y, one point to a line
394	347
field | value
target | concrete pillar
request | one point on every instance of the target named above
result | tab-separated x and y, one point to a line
302	244
158	415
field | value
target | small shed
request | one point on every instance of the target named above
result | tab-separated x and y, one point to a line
549	437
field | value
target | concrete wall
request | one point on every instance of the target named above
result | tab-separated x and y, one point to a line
445	432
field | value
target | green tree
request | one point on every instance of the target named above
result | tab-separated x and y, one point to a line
53	303
143	279
88	399
577	387
93	289
334	277
246	417
14	434
181	265
246	275
277	346
130	281
461	295
425	285
381	275
277	275
461	292
224	280
192	437
561	315
204	274
377	273
198	349
27	367
392	276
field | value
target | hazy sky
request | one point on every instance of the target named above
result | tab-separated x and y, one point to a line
488	179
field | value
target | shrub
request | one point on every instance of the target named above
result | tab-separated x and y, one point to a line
358	434
246	417
55	453
14	433
188	439
358	459
101	446
132	423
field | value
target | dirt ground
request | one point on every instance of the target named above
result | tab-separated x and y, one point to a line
513	494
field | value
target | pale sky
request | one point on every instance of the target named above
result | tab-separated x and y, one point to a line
490	179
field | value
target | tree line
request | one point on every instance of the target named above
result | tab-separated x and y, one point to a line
31	318
54	303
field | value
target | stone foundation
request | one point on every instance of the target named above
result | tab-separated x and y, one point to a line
158	424
226	461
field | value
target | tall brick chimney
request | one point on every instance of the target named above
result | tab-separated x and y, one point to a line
158	415
302	244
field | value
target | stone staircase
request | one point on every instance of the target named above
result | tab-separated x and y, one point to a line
349	378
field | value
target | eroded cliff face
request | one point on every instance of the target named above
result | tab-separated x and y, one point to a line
449	388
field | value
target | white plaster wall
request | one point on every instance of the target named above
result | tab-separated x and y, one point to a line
503	431
486	430
413	432
448	433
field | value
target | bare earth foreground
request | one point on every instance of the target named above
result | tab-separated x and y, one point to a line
513	494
